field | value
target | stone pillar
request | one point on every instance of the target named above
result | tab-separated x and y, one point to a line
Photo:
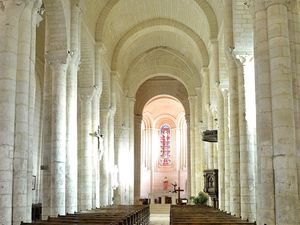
192	102
221	149
283	126
234	138
214	69
46	150
104	115
58	61
188	183
9	24
22	164
85	154
99	51
205	117
265	181
209	144
226	153
71	156
199	159
71	143
233	105
96	152
137	157
246	153
131	103
111	151
36	15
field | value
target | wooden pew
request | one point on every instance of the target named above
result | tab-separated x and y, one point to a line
110	215
202	215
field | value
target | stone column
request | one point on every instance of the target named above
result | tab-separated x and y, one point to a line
192	102
205	115
214	69
96	152
85	154
58	61
111	151
209	144
283	127
46	149
199	159
246	154
71	156
226	153
104	115
234	138
22	165
188	183
131	103
9	24
137	157
233	105
99	50
221	149
265	181
36	15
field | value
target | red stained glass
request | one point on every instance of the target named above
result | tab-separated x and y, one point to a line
165	137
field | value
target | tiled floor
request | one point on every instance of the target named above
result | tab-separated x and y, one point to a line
159	219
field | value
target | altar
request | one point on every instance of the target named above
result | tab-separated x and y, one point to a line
153	197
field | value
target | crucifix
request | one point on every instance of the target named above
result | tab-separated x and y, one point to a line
178	190
99	137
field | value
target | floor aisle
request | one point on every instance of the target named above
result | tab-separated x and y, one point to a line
159	219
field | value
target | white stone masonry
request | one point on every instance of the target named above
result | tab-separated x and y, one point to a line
85	153
58	61
71	139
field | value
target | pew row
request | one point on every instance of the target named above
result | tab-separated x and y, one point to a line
202	215
110	215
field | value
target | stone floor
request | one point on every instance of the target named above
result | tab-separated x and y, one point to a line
159	219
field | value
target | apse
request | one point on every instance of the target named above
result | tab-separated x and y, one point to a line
163	145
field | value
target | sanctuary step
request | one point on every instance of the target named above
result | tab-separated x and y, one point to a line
202	215
110	215
160	209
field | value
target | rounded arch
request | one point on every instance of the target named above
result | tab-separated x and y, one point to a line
163	57
175	89
147	26
203	5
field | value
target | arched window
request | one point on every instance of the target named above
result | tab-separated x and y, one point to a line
165	137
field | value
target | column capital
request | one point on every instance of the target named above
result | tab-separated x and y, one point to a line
213	42
79	6
204	70
225	92
57	57
86	93
74	57
100	47
131	100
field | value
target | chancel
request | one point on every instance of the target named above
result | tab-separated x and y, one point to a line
107	103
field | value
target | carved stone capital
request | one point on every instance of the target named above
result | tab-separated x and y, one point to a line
86	93
55	58
74	57
100	47
5	5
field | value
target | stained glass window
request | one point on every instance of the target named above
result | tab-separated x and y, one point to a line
165	136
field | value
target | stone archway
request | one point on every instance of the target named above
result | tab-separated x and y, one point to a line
163	146
161	85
